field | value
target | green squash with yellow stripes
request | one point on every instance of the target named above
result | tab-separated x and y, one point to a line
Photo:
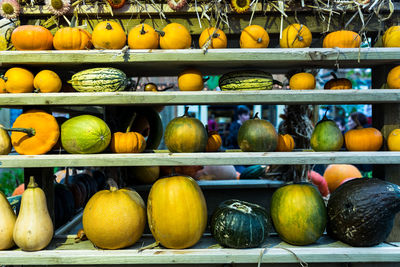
246	80
99	80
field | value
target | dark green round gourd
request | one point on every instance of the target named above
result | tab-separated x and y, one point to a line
326	136
361	211
253	172
257	135
239	224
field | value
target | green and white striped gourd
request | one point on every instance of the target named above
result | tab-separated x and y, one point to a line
99	80
246	80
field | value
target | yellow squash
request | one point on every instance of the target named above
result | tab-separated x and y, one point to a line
7	222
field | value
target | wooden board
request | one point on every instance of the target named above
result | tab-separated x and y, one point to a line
220	158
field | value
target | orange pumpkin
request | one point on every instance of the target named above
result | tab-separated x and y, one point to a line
175	36
338	83
128	142
393	140
302	81
32	37
335	174
143	36
254	36
363	139
393	78
296	36
285	143
190	80
18	80
47	81
342	39
108	35
213	38
391	37
70	38
214	141
2	86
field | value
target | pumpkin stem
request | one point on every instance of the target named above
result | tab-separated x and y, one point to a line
32	183
162	33
3	77
142	31
324	118
113	185
259	40
29	131
215	35
359	126
186	112
131	122
108	26
256	116
334	75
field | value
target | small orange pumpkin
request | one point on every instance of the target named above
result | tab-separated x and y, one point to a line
190	80
254	36
302	81
214	141
32	37
363	139
296	36
18	80
393	78
108	35
393	140
213	38
128	142
338	83
391	37
175	36
47	81
342	39
285	143
2	86
143	36
71	38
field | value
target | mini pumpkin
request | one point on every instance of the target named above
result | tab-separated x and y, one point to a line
391	37
393	140
254	36
108	35
296	36
342	39
190	80
363	139
18	80
213	38
393	78
214	141
72	38
338	83
175	36
32	37
143	36
128	142
47	81
285	143
302	81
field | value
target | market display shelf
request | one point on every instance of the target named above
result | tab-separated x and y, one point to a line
218	158
64	250
166	62
280	97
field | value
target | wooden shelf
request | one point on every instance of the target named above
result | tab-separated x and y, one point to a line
216	61
63	250
280	97
220	158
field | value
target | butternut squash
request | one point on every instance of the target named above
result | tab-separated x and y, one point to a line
33	229
7	222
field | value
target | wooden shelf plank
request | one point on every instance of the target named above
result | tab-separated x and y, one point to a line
205	97
63	250
220	158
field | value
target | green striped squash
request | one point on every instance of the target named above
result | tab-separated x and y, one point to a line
99	80
246	80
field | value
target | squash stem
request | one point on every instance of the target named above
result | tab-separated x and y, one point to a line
32	183
142	31
186	112
113	185
334	75
259	40
3	77
131	122
108	26
162	33
256	116
29	131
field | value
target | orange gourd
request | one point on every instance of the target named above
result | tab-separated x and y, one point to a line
363	139
175	36
393	78
18	80
214	141
393	140
32	37
302	81
143	36
285	143
190	80
254	36
296	36
335	174
2	86
213	38
108	35
342	39
338	83
128	142
72	38
391	37
47	81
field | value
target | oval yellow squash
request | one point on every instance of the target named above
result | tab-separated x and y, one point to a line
7	222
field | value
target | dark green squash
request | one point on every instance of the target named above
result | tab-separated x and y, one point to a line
361	211
239	224
298	213
253	172
326	136
257	135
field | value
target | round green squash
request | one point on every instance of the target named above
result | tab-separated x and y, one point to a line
185	134
298	213
326	136
85	134
257	135
239	224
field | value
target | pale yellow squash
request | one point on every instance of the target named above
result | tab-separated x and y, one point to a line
5	142
7	222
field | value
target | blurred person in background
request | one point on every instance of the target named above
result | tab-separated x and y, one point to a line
242	114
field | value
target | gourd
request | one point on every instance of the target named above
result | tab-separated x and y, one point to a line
143	174
143	36
302	81
7	222
175	36
72	38
5	142
338	83
254	172
363	139
335	174
342	39
32	37
257	135
33	228
326	136
361	211
254	36
108	35
186	218
393	140
18	80
246	80
212	38
393	78
114	219
2	86
239	224
298	213
185	134
190	80
391	37
285	143
295	36
47	81
214	141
